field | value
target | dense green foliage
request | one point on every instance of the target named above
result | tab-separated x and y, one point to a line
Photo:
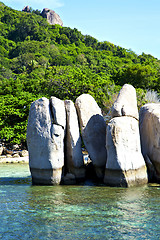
38	59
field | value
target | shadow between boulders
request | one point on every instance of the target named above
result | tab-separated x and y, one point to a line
94	138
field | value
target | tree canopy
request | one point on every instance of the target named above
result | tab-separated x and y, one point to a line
38	59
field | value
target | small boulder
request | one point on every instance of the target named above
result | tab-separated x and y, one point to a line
15	155
149	117
73	144
125	164
93	129
126	103
7	151
23	153
15	147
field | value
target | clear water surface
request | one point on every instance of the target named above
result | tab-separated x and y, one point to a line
75	212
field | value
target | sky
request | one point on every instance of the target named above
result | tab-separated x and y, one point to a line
132	24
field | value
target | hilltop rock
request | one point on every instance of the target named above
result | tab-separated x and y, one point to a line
52	17
26	9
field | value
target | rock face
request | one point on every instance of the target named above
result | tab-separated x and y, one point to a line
126	103
93	128
86	107
74	157
52	17
150	134
58	112
125	164
45	141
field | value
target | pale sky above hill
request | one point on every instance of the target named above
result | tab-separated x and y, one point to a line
132	24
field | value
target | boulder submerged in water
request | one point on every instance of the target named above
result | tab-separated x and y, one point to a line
73	144
93	130
45	142
149	117
54	142
125	165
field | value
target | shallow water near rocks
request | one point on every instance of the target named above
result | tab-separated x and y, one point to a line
75	212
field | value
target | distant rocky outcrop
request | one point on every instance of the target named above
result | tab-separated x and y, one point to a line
26	9
51	16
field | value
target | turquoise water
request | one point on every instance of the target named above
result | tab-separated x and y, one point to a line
75	212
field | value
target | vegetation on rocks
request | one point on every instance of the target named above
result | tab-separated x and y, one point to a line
38	59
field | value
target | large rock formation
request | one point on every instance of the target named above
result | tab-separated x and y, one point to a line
52	17
126	103
26	9
150	134
73	145
93	129
125	164
45	140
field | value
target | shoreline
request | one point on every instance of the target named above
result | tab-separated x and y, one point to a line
14	160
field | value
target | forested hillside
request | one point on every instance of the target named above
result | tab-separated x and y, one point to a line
38	59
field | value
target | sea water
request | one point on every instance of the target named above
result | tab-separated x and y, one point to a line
75	212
